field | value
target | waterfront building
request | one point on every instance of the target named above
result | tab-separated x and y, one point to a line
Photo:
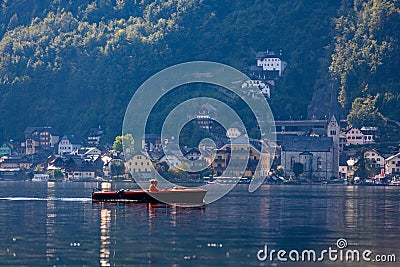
316	154
376	159
11	162
39	139
138	163
248	150
344	167
392	165
76	168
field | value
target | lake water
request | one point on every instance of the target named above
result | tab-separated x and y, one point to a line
56	224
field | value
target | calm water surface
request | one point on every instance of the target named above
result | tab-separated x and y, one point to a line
56	224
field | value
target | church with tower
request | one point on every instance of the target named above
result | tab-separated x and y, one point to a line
318	153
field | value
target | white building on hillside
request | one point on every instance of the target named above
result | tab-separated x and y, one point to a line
68	143
258	84
269	61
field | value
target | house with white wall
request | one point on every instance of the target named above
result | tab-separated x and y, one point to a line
392	165
264	87
355	136
139	163
269	61
376	159
68	144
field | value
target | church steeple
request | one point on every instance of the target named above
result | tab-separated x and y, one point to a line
333	127
333	130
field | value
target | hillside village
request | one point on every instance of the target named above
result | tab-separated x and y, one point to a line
327	150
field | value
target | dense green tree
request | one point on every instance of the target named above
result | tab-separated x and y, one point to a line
367	52
124	143
298	168
364	113
363	168
178	174
117	168
162	168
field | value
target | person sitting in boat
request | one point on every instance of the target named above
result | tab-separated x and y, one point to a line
153	186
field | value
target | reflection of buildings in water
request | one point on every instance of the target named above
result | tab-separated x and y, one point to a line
351	209
105	223
50	222
265	210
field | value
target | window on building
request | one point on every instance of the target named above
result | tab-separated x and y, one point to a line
292	161
319	163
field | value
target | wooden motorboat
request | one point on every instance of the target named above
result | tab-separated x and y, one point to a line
169	196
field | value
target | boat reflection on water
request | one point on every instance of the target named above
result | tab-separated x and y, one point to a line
155	214
50	222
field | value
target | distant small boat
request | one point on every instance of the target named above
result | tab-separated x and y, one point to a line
170	196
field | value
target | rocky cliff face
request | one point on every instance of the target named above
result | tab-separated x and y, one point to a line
324	102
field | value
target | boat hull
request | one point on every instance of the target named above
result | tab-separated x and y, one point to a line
173	196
